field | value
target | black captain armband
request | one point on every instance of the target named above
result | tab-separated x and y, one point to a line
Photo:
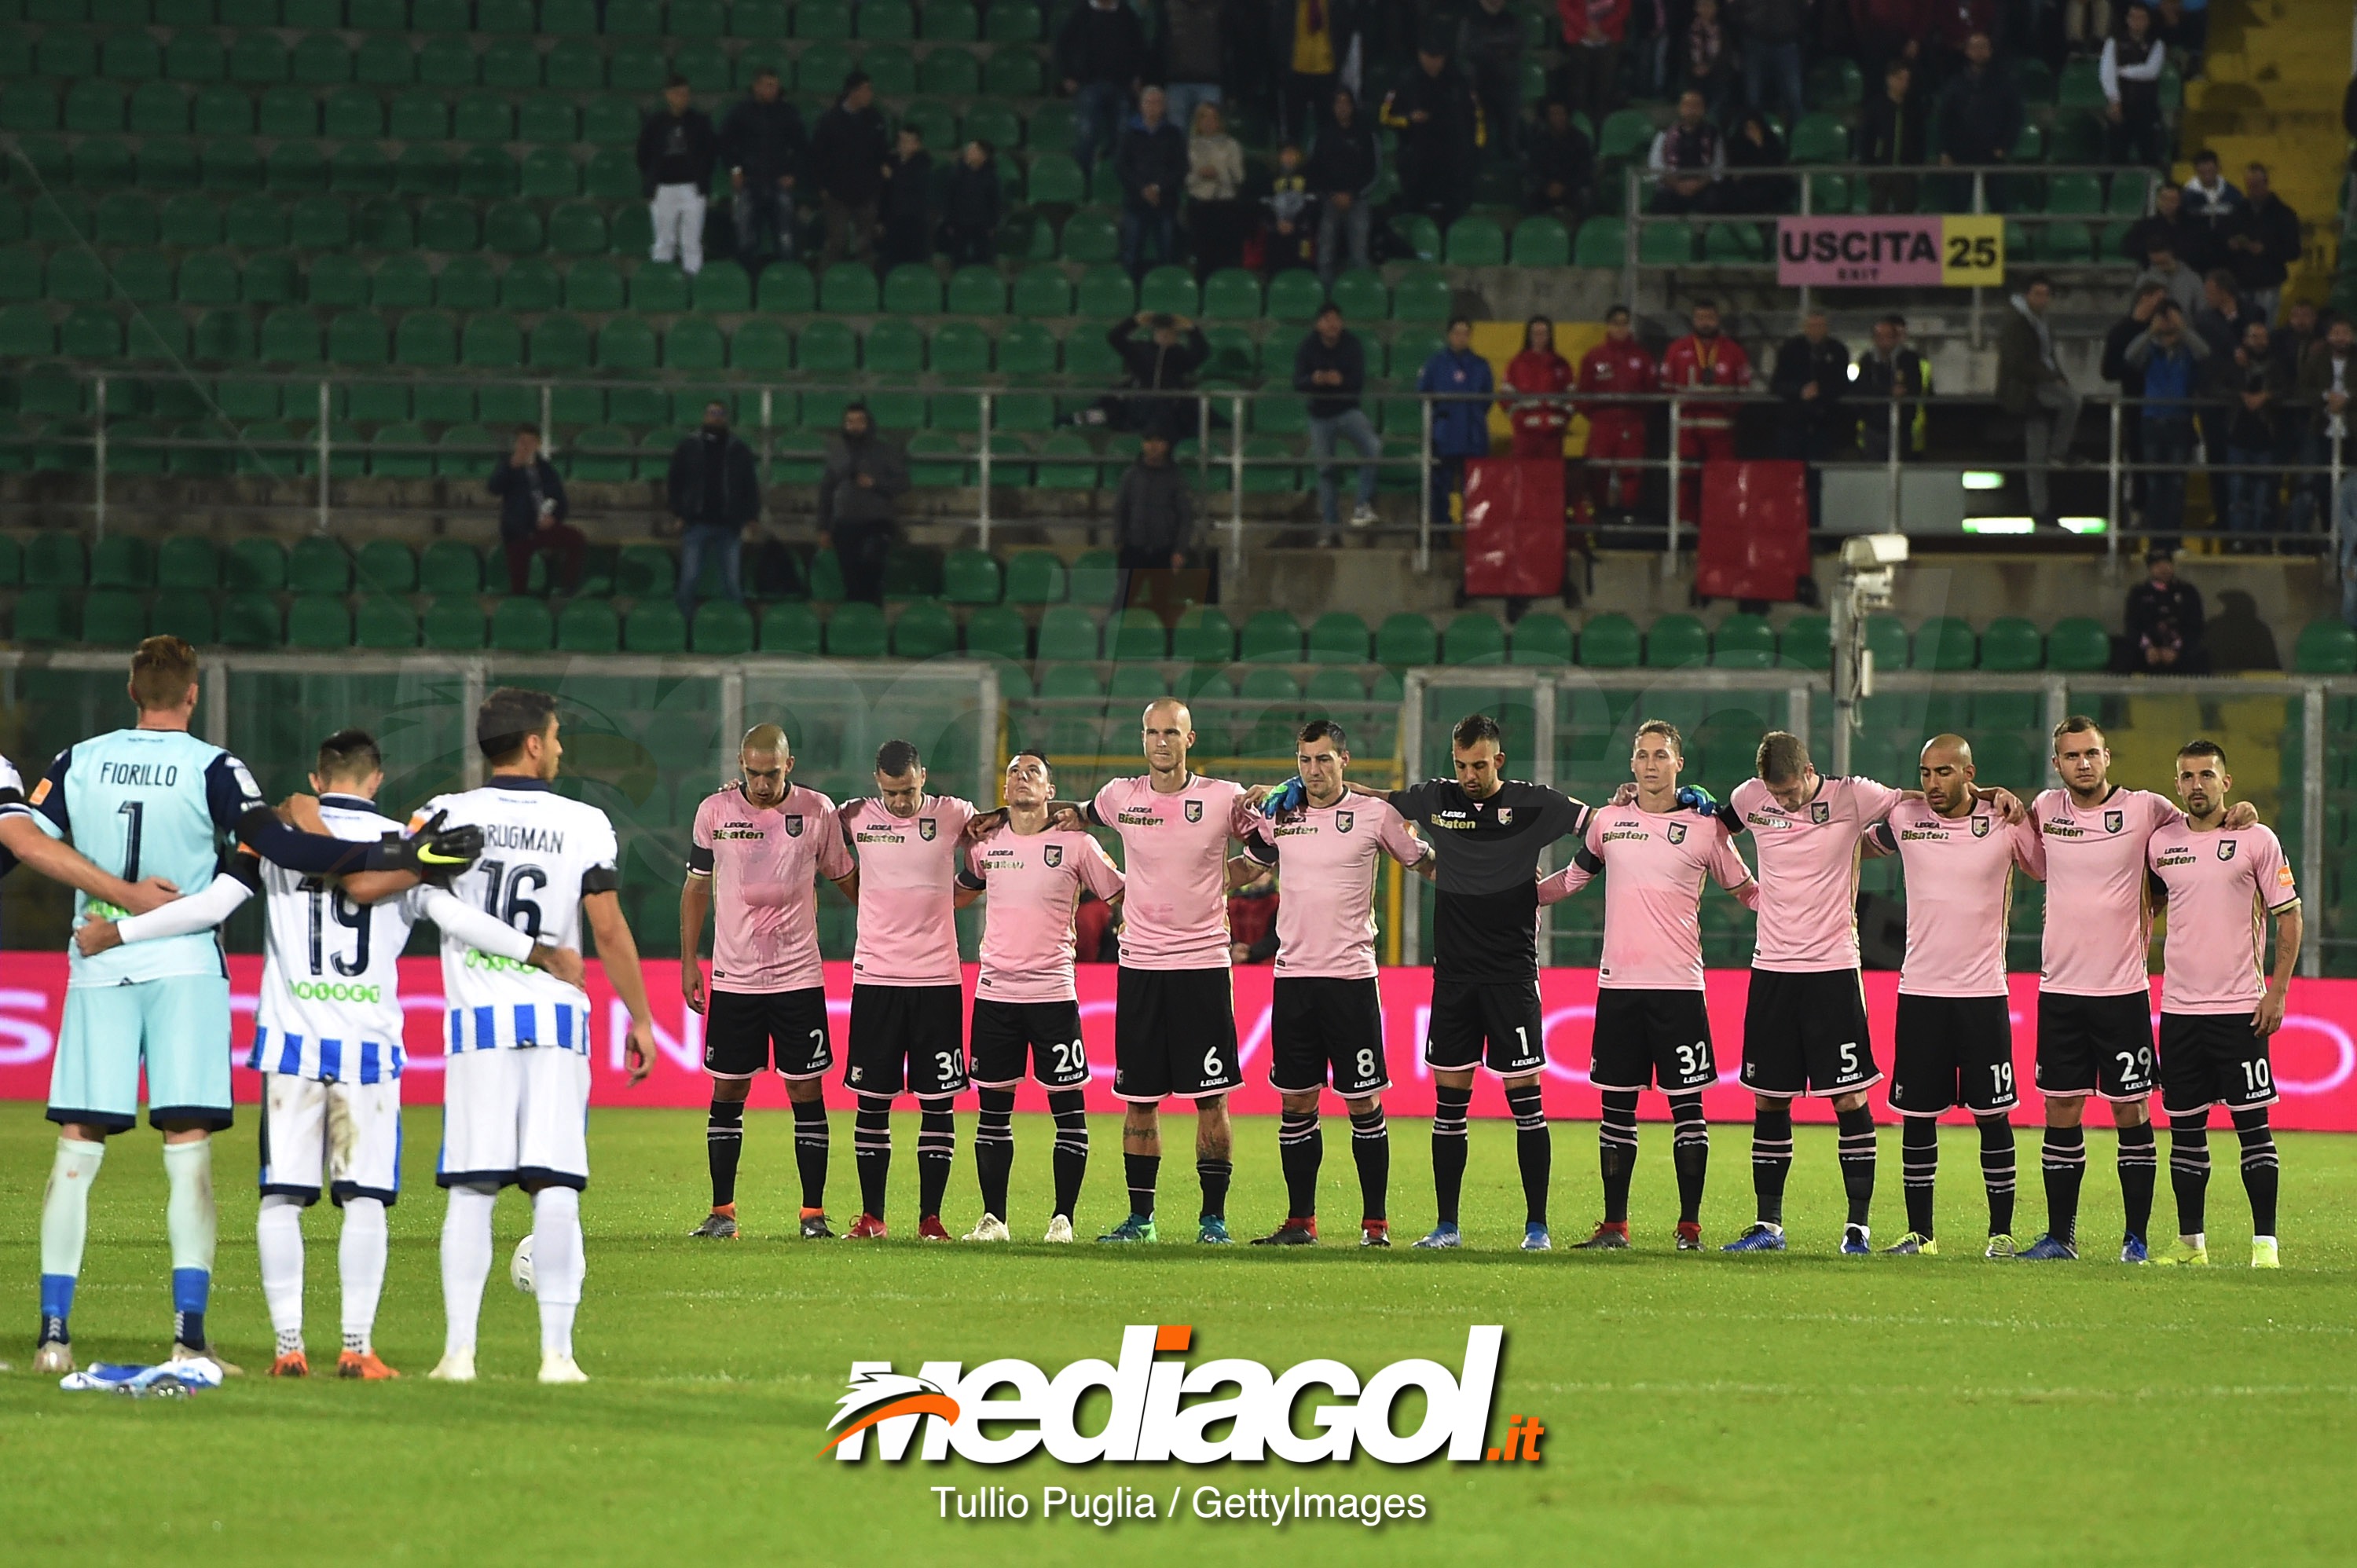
699	860
244	868
1587	860
1261	850
1731	817
600	879
970	882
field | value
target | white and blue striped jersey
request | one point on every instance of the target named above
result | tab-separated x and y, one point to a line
542	853
12	800
146	802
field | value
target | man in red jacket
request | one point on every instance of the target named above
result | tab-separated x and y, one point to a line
1616	431
1592	31
1703	358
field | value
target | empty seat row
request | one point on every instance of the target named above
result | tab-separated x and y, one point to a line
948	21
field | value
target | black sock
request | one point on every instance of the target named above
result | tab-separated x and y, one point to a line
936	1148
2139	1168
1072	1157
1143	1171
1772	1159
2189	1169
1301	1149
2063	1158
1213	1175
1449	1107
993	1148
1996	1171
1616	1151
724	1141
1534	1150
1858	1161
811	1150
1371	1151
871	1150
2260	1170
1918	1168
1690	1152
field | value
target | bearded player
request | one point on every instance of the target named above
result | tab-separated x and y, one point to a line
1026	1014
2217	1007
1651	1024
755	856
1326	1018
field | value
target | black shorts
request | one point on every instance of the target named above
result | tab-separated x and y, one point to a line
1503	1016
742	1029
1007	1036
1174	1034
917	1025
2212	1058
1805	1034
1953	1051
1318	1024
1645	1037
2096	1045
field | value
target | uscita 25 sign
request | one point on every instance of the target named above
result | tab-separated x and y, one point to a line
1902	251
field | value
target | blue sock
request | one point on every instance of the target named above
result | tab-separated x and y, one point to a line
189	1289
57	1305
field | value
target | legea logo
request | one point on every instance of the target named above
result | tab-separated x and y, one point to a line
1166	1409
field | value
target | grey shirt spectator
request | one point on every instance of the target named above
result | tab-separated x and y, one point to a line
858	496
1154	512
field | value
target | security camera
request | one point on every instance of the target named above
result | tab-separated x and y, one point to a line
1866	550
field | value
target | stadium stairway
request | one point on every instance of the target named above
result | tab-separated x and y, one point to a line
2271	92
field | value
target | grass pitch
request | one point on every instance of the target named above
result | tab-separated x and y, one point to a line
1708	1410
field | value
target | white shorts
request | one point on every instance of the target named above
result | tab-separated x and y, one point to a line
518	1114
349	1132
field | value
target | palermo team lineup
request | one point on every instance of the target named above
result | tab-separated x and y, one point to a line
163	836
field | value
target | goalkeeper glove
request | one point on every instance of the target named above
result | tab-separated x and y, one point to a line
1286	799
434	852
1694	797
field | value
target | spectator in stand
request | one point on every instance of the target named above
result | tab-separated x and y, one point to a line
1541	415
1561	163
2150	296
1751	151
2187	240
1952	25
1889	374
1688	158
1292	212
1152	163
858	496
1342	176
1890	132
676	149
2167	360
1166	362
1490	42
2222	314
1772	31
1216	215
1705	59
715	491
2132	60
1313	38
1892	30
1330	366
969	217
1619	366
532	509
1440	127
2211	203
2179	282
2086	24
1154	510
851	157
1194	54
1592	35
907	201
1101	54
2184	25
2255	422
2301	333
1461	426
2261	242
2328	374
763	142
1811	376
2031	386
1704	358
1980	120
2302	328
2164	622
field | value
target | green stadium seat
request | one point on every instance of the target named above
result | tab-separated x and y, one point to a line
1806	643
1105	293
183	613
1473	637
1170	290
111	617
1204	636
1066	633
319	620
525	626
1406	639
586	626
1296	295
2012	644
1820	138
450	567
1540	639
2324	648
1271	636
252	620
791	628
1744	642
121	561
1610	641
997	631
1477	241
855	631
1945	643
1136	634
1676	642
1338	637
1035	577
2081	645
1541	241
1423	296
655	627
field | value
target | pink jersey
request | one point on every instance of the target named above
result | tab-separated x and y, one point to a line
2222	884
1654	865
1959	891
2098	919
908	892
1033	881
1326	861
764	866
1808	870
1175	863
